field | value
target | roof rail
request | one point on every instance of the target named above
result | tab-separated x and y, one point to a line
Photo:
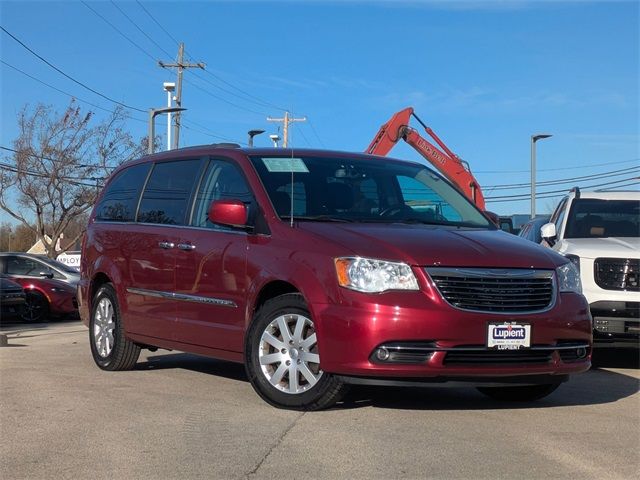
225	145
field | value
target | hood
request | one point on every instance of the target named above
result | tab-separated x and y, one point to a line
427	245
616	247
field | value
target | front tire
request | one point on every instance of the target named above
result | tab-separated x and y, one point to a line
527	393
36	308
110	348
282	359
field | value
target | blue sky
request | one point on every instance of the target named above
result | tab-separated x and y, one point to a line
484	75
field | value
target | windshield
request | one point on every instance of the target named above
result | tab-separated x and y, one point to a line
363	190
592	218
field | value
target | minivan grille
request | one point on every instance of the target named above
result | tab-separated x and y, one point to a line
617	273
495	290
498	357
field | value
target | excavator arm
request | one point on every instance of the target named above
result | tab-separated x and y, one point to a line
448	163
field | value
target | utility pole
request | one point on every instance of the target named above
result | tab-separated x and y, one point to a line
285	130
180	66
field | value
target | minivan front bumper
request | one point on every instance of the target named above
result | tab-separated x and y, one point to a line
442	342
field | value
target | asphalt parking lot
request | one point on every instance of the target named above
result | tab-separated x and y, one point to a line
183	416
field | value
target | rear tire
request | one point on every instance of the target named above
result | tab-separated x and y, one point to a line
526	393
282	359
110	348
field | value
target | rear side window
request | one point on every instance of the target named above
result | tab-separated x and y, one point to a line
120	199
221	181
167	193
29	267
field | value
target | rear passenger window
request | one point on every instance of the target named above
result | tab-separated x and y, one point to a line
167	193
222	181
120	199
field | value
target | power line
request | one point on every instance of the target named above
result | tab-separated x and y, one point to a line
41	157
158	23
71	180
526	196
210	133
558	169
224	99
635	182
299	130
68	76
316	133
247	94
560	181
140	29
119	31
261	101
67	93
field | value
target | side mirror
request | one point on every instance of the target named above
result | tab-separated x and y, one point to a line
228	212
46	274
548	232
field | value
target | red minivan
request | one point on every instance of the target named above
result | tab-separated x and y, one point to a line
320	269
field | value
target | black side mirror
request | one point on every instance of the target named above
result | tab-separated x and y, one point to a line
46	274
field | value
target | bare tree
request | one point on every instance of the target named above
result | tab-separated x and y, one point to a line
60	160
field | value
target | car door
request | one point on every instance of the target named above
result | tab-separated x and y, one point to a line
211	283
151	247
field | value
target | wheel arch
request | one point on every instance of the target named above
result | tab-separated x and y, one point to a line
270	290
98	280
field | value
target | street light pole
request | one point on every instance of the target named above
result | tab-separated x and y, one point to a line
534	139
253	133
169	87
152	120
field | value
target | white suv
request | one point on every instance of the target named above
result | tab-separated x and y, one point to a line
600	233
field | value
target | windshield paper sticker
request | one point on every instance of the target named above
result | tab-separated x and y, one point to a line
285	165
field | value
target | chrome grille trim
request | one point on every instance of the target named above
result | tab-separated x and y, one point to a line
560	346
496	291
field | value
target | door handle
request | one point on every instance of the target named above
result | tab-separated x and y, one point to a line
166	245
186	246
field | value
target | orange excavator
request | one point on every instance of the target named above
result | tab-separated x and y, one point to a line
448	163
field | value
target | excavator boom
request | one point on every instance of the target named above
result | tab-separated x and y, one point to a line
443	159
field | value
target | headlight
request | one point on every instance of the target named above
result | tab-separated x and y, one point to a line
374	276
569	278
575	260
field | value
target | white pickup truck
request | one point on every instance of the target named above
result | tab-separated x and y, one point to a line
600	233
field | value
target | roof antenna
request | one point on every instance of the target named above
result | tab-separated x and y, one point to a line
291	212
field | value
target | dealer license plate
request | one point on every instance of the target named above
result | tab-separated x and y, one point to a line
509	336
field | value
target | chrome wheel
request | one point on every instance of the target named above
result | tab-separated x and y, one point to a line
288	354
103	326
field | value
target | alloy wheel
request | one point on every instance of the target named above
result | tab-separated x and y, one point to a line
103	326
288	354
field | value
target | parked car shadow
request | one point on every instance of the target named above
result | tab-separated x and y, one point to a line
616	358
591	388
196	363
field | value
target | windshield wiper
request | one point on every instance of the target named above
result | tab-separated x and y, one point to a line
423	221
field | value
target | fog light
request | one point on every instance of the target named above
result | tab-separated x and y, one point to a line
581	352
382	354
